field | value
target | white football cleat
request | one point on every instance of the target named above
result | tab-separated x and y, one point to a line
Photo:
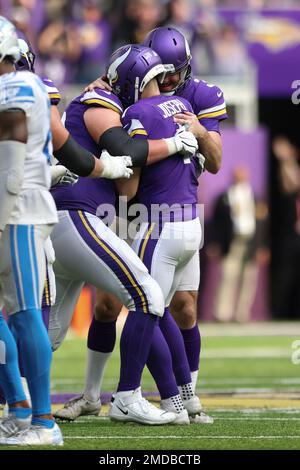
192	405
11	425
182	416
195	411
35	436
131	406
76	407
201	418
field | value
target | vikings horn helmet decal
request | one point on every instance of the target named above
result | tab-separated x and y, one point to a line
130	68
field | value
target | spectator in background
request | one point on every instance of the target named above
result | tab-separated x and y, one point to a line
207	23
21	18
230	54
93	35
234	229
138	18
287	268
180	16
58	43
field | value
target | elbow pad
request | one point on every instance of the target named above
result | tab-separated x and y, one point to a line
12	157
117	142
75	158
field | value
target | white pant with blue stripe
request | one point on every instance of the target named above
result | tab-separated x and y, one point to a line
22	266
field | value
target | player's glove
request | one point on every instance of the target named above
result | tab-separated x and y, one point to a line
187	142
200	159
184	142
115	167
62	176
69	179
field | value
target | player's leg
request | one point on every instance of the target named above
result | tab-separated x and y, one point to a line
183	308
23	277
48	299
61	313
184	311
166	254
19	416
94	253
49	293
101	341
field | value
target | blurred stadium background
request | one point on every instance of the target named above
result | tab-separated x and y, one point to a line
249	302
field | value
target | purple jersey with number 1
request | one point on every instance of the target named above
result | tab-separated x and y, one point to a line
170	181
88	193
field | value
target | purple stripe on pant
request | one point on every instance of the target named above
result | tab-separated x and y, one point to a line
100	251
151	243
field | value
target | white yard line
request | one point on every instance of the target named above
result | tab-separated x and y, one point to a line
259	418
251	329
213	381
217	418
245	353
258	411
180	437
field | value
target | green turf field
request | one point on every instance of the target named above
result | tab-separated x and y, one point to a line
247	382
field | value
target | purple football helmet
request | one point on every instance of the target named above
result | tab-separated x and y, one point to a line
26	61
129	70
173	49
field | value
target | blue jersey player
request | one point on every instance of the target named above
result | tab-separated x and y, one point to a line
27	217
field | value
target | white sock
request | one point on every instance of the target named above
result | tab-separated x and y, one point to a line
5	411
194	376
96	362
186	391
174	404
26	389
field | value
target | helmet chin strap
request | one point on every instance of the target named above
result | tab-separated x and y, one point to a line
136	89
169	93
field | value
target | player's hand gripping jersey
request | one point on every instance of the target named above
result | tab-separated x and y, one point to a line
25	91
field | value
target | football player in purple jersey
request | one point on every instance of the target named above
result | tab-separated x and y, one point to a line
170	235
88	251
102	325
209	106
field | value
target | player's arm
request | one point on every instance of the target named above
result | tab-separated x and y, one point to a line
210	143
69	153
13	138
104	125
129	187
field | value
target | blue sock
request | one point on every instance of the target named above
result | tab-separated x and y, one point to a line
47	423
36	355
9	370
21	413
